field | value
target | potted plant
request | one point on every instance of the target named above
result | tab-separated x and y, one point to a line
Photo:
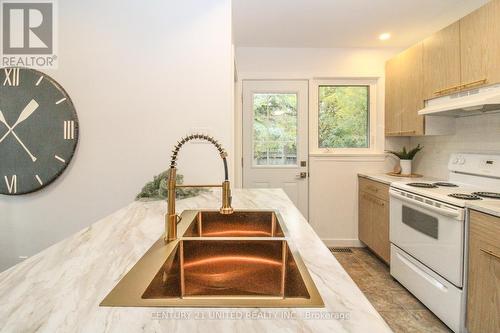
405	158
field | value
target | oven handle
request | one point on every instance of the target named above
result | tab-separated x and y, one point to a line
442	211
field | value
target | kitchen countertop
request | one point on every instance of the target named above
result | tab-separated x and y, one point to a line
485	206
60	288
488	207
387	179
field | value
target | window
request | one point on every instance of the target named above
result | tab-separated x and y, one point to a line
341	115
275	129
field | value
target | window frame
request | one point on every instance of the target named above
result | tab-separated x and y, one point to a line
314	148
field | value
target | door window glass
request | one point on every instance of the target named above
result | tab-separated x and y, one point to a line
274	129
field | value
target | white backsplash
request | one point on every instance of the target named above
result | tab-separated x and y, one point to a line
476	134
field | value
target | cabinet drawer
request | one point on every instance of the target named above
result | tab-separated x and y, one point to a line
375	188
485	227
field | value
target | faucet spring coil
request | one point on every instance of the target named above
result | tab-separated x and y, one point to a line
180	143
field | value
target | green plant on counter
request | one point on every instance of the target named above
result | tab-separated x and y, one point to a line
157	188
406	155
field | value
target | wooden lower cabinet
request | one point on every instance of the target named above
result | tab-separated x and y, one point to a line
380	222
365	229
373	218
483	288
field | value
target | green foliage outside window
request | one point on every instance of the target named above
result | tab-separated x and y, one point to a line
275	129
343	117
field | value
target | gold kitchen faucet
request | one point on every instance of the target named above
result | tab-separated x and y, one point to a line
171	218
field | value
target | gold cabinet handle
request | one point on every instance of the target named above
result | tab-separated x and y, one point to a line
460	86
400	133
491	253
475	83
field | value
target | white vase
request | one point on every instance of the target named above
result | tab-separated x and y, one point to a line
405	167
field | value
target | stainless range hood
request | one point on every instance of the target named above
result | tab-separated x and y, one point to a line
467	103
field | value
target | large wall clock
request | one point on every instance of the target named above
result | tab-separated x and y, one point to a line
38	130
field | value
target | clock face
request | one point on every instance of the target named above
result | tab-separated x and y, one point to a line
38	130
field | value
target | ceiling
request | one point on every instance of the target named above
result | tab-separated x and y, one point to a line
342	23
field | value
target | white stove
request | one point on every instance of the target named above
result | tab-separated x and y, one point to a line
476	176
428	232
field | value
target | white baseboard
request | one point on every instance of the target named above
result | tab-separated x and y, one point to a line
333	242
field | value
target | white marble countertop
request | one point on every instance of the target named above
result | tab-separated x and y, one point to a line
60	288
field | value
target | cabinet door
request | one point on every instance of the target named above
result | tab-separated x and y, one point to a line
411	74
364	219
483	297
392	98
441	64
380	225
480	44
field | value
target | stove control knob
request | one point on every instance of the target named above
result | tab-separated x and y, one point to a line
461	161
455	160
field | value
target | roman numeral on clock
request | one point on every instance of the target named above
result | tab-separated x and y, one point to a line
11	77
69	130
11	184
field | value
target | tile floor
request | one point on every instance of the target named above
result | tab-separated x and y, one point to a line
400	309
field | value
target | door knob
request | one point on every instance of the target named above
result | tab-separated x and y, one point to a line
302	175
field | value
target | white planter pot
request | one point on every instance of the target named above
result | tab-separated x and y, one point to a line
405	167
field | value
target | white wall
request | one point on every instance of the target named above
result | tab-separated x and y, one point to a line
477	134
141	75
333	181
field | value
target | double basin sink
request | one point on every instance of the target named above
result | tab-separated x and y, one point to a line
237	260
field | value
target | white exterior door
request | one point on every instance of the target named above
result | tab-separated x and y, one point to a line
275	141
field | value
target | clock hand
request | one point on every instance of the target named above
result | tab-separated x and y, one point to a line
2	119
11	130
27	111
33	158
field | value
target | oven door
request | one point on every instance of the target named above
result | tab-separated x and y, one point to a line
430	231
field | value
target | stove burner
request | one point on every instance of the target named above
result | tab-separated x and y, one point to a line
445	184
491	195
464	196
423	185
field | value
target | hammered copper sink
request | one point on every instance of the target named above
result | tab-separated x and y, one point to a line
238	260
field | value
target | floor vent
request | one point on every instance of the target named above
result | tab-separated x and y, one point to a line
340	250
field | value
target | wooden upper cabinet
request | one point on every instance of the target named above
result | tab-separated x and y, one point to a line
392	98
403	93
480	44
441	64
411	80
463	55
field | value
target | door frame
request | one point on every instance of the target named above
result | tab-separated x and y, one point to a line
238	123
